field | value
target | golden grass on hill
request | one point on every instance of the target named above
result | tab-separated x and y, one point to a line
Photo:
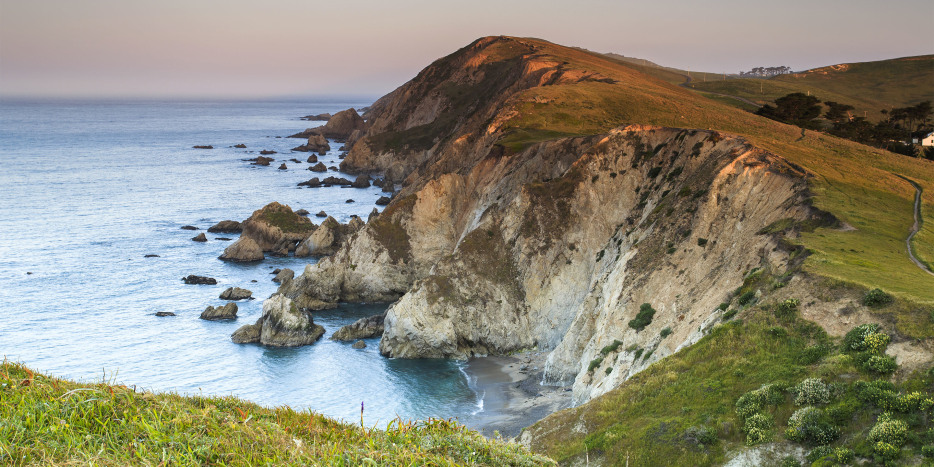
854	182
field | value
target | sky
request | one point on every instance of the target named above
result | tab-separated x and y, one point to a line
239	48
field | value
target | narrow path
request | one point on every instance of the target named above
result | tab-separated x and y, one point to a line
917	225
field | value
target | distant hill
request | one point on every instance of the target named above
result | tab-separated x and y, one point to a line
868	86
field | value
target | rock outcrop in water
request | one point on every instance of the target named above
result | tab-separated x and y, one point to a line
236	293
316	143
361	329
281	325
192	279
227	226
274	228
340	126
220	313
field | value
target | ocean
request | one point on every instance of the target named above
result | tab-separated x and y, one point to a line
89	188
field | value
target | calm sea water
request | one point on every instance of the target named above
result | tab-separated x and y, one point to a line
87	189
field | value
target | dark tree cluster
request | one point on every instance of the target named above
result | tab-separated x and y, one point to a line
765	72
895	133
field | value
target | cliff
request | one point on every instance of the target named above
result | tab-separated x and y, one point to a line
558	200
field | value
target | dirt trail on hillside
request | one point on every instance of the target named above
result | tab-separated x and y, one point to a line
917	225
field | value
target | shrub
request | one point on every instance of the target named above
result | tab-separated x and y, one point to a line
643	318
637	354
753	401
914	402
855	339
730	314
819	453
886	451
654	171
889	430
811	391
927	451
876	298
723	306
787	308
882	364
809	425
665	332
812	354
758	428
700	435
595	363
790	461
672	250
746	298
701	241
608	370
610	348
648	355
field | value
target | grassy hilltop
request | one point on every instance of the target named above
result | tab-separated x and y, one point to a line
868	86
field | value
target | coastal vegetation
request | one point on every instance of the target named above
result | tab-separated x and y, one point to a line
50	421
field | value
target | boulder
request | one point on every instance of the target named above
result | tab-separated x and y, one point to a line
199	238
317	118
227	226
236	293
212	313
316	143
359	345
383	201
362	181
361	329
285	274
267	152
319	167
189	227
274	228
332	180
339	127
302	212
243	250
240	146
350	201
312	159
262	160
199	280
312	183
282	325
248	334
322	241
321	214
295	160
283	167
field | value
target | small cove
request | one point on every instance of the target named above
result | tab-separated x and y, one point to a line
93	187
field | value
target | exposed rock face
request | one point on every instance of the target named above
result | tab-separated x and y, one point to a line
339	127
227	226
361	329
236	293
228	311
199	280
283	275
323	241
316	143
244	249
199	238
282	325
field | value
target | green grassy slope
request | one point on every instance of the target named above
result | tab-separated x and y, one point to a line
869	86
48	421
854	182
683	409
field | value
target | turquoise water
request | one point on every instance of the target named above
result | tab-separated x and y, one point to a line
89	188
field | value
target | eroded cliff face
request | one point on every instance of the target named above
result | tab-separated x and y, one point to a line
557	247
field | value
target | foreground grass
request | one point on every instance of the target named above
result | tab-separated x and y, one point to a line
683	409
49	421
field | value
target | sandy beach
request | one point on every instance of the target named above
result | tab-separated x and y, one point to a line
513	396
